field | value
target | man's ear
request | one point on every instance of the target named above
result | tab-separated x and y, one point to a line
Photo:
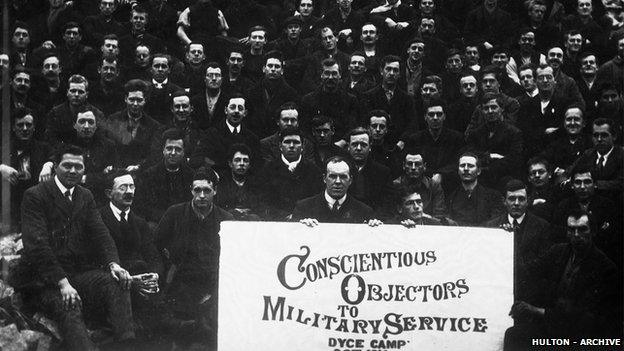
107	192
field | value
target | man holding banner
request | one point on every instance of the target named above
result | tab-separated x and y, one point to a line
334	204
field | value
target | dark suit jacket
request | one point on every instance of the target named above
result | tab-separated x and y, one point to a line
62	238
506	141
610	178
488	205
134	245
158	104
494	28
60	122
200	107
351	211
400	107
533	123
264	101
340	106
441	155
531	241
376	184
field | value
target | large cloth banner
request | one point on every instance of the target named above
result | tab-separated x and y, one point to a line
285	286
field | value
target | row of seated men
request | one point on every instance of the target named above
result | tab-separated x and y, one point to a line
84	264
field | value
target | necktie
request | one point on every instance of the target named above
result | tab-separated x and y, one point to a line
600	163
68	195
335	207
122	215
515	224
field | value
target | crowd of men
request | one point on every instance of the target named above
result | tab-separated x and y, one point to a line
138	126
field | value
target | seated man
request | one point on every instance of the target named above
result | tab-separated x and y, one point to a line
334	205
188	237
323	132
383	150
577	296
287	117
472	203
238	189
165	183
544	194
413	178
66	244
288	179
410	210
530	233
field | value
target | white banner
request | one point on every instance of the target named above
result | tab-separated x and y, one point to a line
284	286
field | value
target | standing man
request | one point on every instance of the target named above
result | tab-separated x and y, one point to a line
209	103
66	246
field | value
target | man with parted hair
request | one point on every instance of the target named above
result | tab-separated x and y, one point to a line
66	244
334	204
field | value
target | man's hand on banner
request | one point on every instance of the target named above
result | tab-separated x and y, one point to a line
374	223
310	222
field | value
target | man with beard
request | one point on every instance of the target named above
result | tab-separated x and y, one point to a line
107	92
605	160
335	204
289	178
312	64
132	129
565	87
460	110
210	102
159	94
27	158
498	143
236	81
60	120
238	189
569	146
371	180
577	290
526	54
586	79
414	69
472	204
287	117
188	235
389	97
164	183
140	66
490	83
358	81
331	101
324	147
66	244
138	34
76	57
413	179
97	26
612	71
212	148
383	151
438	145
268	95
542	115
254	58
530	234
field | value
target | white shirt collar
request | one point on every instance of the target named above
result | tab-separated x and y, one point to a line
117	211
330	200
533	92
605	156
62	187
232	128
160	85
520	219
291	165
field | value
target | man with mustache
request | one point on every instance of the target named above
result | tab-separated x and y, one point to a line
165	183
188	237
66	246
21	83
472	204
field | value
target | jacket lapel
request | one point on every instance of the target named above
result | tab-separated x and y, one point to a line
59	199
